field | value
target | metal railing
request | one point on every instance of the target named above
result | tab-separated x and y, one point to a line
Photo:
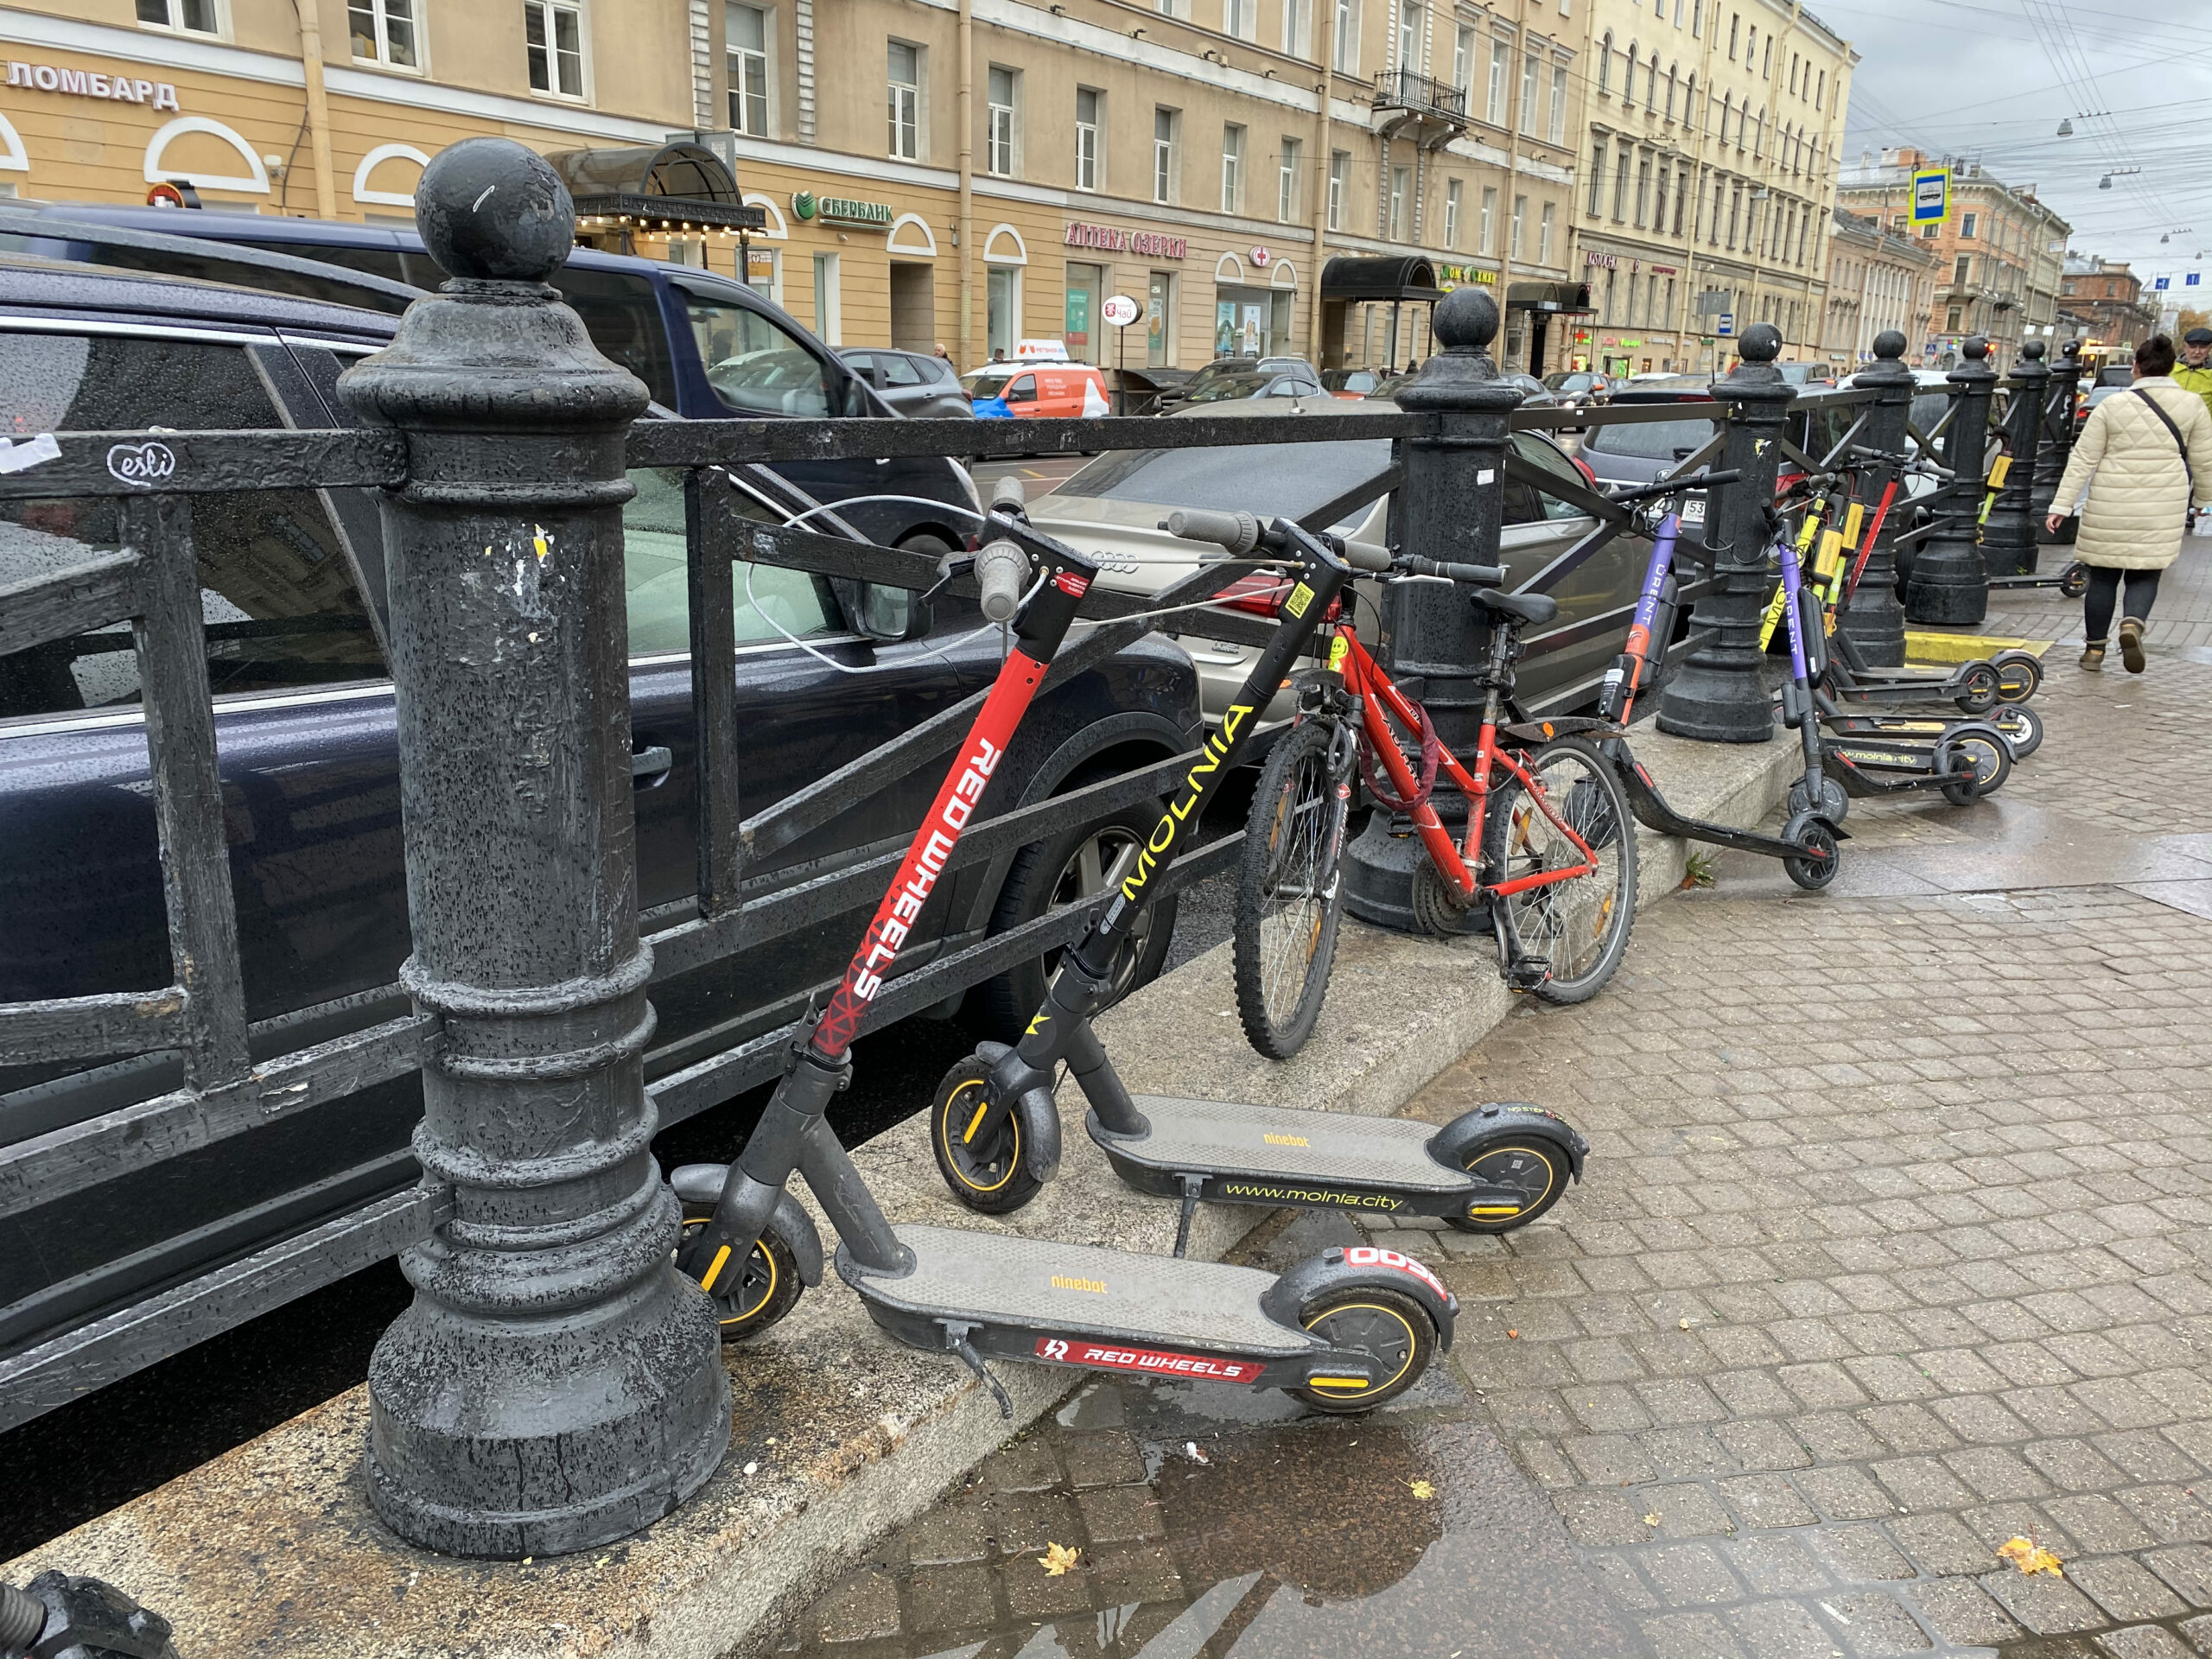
1402	89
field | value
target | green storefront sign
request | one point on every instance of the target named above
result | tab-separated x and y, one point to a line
842	210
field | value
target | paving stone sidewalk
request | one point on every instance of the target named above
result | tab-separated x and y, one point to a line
1894	1244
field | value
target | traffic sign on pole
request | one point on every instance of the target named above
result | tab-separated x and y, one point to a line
1931	196
1725	325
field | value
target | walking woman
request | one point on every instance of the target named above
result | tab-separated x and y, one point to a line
2144	454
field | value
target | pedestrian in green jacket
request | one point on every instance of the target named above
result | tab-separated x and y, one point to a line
2194	371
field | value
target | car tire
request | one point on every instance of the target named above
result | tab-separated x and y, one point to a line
1047	874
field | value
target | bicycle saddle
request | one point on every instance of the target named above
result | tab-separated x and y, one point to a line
1536	609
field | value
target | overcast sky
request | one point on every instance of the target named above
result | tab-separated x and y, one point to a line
1991	79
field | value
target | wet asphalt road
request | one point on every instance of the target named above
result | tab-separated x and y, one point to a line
85	1457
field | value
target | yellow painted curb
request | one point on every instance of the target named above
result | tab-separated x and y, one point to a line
1964	647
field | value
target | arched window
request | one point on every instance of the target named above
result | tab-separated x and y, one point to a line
1652	83
1606	63
1628	75
1728	107
1689	104
1671	89
1758	138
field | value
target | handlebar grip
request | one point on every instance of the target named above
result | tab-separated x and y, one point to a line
1001	571
1475	575
1008	497
1238	532
1366	555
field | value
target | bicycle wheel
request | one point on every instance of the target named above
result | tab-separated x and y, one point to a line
1577	926
1290	891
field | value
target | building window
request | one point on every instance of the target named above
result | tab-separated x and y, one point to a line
1962	270
1452	190
904	71
1642	188
1401	194
1697	18
1159	321
1240	18
829	322
1967	224
998	135
1513	232
1232	170
1297	14
553	36
1531	68
1164	125
383	32
189	16
745	33
1659	198
1463	64
1544	234
1952	327
1486	228
1681	197
1766	70
1343	46
1735	21
1819	87
1501	55
1287	180
1559	104
1409	38
1339	175
1670	91
1089	119
1002	309
1598	152
1620	183
1735	213
1606	63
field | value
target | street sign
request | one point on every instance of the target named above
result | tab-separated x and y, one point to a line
1931	196
1119	311
2161	282
1726	324
2189	281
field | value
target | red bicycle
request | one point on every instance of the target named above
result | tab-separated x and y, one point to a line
1548	851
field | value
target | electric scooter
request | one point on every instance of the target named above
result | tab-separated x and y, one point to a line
1490	1170
1344	1329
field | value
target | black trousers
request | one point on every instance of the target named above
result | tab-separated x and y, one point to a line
2104	590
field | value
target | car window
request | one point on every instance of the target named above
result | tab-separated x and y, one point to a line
898	369
277	589
756	367
1279	480
1928	408
622	315
988	382
1656	441
657	586
1541	456
1227	388
1022	390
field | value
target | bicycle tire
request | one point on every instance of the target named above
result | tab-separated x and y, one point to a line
1293	842
1519	840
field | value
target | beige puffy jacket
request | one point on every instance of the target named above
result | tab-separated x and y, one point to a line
2131	466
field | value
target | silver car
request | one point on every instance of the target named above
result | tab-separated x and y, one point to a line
914	384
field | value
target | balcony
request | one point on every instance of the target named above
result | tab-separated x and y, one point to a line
1410	105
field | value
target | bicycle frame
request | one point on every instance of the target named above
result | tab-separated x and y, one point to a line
1362	677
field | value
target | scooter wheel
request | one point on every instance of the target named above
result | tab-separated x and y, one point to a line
2022	726
1815	867
2019	675
1832	804
1381	1323
1979	688
1985	753
1537	1170
2073	580
982	1168
761	1292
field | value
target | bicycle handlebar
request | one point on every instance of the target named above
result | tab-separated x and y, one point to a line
1239	532
1475	575
1366	555
1008	497
1001	571
1675	485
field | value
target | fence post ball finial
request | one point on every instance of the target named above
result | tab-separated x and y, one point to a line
1762	343
1465	320
1976	348
2033	350
492	208
1889	344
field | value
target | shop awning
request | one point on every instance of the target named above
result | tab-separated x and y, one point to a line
1379	276
1549	296
657	187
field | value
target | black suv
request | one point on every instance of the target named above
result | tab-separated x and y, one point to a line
293	596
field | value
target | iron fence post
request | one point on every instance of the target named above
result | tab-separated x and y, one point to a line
1718	694
1451	506
556	1385
2058	433
1950	586
1871	615
2008	540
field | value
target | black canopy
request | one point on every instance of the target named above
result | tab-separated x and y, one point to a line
1379	276
665	185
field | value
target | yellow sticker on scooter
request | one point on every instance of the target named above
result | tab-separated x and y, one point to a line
1829	559
1301	597
1851	523
2002	465
1812	529
1773	616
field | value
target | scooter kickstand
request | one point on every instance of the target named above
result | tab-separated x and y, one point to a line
956	1340
1191	1185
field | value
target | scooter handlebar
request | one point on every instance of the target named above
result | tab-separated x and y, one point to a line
1676	485
1008	497
1001	572
1366	555
1475	575
1237	533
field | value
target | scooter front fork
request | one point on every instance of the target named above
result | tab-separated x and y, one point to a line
1061	1033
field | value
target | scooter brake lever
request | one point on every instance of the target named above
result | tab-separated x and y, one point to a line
952	565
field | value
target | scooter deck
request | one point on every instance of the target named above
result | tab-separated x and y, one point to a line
1000	1279
1222	1137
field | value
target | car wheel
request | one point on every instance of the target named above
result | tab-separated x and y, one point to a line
1049	875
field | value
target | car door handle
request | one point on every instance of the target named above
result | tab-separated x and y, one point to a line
649	764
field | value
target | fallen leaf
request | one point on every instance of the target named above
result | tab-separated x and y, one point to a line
1422	1490
1515	1334
2029	1556
1058	1558
1682	1324
1651	1520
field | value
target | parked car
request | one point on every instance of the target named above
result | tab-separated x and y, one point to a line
293	592
1579	388
1036	391
1535	394
913	383
705	347
1204	387
1802	375
1114	505
1354	383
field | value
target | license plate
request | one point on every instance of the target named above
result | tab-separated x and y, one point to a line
1693	511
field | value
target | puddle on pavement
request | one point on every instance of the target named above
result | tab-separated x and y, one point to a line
1209	1522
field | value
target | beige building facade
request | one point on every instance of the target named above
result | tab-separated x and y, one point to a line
1708	172
1878	279
969	173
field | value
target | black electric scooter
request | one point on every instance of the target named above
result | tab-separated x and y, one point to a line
1344	1329
1490	1170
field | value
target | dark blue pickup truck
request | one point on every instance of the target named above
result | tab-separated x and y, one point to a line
292	595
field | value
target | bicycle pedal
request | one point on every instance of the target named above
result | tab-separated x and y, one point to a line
1528	974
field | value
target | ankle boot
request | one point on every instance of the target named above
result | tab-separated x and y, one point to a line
2130	644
